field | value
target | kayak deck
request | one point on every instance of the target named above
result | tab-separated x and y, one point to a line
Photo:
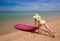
25	27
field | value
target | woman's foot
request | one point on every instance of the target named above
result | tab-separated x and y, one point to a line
51	35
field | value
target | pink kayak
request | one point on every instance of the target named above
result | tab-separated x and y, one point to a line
25	27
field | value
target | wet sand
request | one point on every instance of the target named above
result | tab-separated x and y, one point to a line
12	34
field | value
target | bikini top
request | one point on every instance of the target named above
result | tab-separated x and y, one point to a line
42	22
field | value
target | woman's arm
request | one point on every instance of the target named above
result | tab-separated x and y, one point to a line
35	22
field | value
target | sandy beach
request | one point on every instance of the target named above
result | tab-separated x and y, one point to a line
13	34
43	13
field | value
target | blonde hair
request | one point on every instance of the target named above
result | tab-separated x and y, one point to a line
38	17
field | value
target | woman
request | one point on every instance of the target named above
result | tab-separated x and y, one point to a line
39	22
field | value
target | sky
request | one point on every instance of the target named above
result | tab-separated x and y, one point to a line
29	5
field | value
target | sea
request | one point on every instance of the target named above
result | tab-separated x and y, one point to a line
11	15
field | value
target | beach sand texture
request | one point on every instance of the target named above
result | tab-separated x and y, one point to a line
18	35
